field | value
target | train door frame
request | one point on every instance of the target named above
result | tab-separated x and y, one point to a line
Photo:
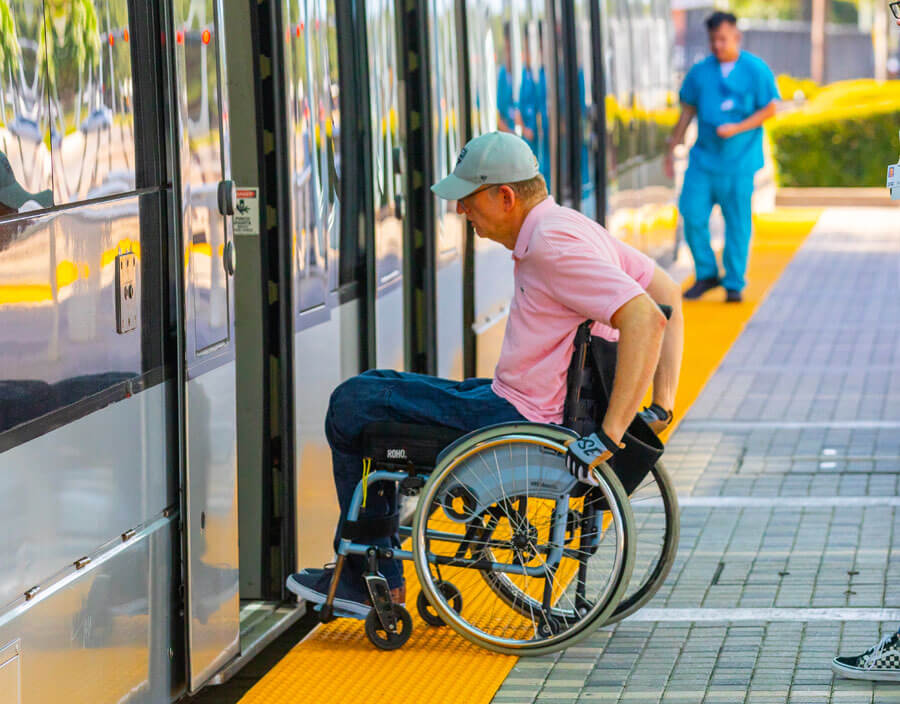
274	181
359	163
191	366
470	347
420	306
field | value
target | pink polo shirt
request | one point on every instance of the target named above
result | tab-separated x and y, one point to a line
567	269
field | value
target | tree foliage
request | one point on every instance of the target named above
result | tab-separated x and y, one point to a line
9	40
839	11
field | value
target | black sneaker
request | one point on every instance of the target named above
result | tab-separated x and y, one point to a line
733	296
701	286
312	585
881	662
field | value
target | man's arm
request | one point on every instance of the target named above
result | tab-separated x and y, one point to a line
751	123
641	326
664	290
688	112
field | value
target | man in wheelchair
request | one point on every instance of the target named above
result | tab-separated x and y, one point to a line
568	269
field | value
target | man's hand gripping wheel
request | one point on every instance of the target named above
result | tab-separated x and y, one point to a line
585	454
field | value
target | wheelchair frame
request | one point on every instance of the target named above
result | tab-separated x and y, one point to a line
389	626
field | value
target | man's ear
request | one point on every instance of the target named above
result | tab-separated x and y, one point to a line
509	197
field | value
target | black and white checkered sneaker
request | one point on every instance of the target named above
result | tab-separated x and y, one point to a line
881	662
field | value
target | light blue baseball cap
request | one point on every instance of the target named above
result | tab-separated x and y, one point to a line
492	158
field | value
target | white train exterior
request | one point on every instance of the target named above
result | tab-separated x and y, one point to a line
164	375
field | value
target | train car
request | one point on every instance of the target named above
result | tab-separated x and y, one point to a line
210	215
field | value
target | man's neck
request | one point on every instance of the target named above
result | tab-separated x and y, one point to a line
524	216
731	59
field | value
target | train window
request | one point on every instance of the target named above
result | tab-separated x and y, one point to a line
314	115
26	179
384	107
198	67
445	123
508	72
331	119
91	115
562	145
584	51
642	31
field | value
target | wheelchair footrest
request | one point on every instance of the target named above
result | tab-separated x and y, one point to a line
338	613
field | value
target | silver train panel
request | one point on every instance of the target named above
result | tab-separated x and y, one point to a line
100	635
324	356
390	328
449	319
10	675
66	493
211	523
493	293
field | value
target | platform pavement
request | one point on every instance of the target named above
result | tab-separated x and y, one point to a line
788	466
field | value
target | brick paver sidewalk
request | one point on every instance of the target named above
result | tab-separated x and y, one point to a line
788	467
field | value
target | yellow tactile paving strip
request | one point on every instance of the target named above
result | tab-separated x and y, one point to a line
337	663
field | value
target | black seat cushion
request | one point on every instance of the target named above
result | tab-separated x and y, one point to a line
402	443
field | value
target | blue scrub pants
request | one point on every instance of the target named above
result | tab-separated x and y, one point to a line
734	193
401	397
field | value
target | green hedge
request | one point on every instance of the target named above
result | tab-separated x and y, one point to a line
836	147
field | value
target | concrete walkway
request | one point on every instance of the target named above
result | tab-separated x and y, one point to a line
788	464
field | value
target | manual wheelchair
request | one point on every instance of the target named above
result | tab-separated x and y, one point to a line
511	552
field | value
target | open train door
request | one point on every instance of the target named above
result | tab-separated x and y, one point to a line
209	481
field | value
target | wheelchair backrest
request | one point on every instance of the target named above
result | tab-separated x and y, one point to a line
589	386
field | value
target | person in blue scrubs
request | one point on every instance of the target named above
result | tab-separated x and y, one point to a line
731	93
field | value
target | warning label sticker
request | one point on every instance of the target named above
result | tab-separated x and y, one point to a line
246	212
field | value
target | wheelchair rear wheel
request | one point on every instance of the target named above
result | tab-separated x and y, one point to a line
501	503
654	504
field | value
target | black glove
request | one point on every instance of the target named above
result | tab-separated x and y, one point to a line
657	417
585	453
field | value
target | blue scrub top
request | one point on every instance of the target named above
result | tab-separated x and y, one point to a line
718	100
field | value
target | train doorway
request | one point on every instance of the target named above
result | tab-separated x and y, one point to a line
209	502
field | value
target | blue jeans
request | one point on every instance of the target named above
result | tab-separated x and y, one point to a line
734	193
401	397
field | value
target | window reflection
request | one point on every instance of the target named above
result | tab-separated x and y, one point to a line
508	61
640	115
58	338
445	125
584	54
314	115
384	101
90	95
201	163
26	70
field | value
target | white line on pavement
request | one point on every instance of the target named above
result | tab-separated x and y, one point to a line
787	501
726	425
731	615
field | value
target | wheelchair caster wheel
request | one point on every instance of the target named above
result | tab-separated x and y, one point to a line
384	639
426	610
549	626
